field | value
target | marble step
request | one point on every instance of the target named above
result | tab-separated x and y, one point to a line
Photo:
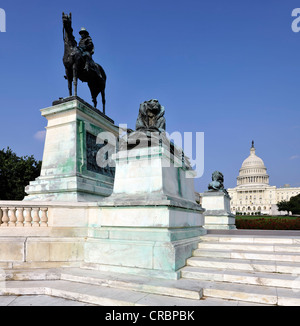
251	239
38	300
293	248
245	265
73	291
182	288
254	294
188	289
291	281
234	294
46	300
242	254
103	295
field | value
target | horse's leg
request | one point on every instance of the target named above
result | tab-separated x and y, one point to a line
103	99
69	77
75	79
95	102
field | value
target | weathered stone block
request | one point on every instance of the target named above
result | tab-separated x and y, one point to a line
12	249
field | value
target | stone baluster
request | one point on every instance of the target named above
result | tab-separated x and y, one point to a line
12	217
44	217
28	218
23	216
5	218
20	217
35	217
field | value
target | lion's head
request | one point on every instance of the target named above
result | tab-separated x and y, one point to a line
151	116
152	107
218	176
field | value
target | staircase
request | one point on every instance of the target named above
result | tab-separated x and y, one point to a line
231	269
262	269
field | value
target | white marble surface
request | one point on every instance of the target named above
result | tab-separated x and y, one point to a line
150	170
38	300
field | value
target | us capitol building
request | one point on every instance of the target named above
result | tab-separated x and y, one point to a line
253	194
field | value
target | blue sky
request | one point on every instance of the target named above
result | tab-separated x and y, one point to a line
229	69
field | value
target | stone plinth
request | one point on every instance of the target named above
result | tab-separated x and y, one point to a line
217	211
69	169
152	221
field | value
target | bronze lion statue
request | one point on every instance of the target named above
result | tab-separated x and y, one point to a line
217	183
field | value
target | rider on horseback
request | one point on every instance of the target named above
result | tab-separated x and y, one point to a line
86	46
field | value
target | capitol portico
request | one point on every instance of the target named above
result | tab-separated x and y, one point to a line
253	194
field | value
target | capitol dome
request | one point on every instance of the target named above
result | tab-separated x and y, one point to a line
253	170
253	195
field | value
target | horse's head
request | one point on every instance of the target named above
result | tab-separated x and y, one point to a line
67	20
67	28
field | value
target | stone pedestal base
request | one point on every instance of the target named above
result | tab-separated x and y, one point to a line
145	240
69	169
151	221
217	211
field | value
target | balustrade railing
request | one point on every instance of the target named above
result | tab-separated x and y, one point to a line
22	215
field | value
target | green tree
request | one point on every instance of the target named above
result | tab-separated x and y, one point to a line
283	206
15	174
293	205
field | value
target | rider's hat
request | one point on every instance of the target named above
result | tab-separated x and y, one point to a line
83	31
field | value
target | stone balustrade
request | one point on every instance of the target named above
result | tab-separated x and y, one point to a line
20	214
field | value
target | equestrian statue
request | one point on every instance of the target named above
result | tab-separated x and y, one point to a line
79	63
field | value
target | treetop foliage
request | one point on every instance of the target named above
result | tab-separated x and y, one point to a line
293	205
16	173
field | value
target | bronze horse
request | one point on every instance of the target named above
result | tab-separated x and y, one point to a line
74	64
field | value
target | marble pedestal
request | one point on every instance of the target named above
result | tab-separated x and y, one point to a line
69	169
217	211
151	223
